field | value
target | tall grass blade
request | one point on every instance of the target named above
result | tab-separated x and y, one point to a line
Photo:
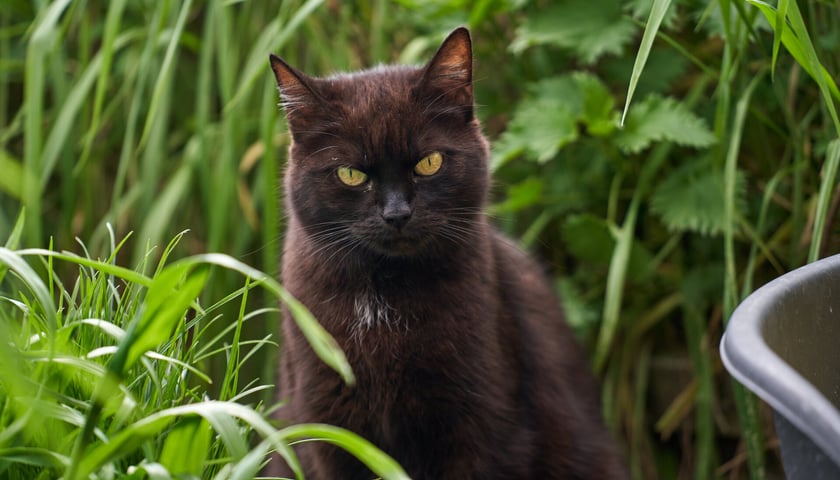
778	29
273	37
165	73
43	36
105	267
164	206
112	26
798	43
698	346
657	13
33	281
68	116
620	259
827	188
13	240
378	462
747	404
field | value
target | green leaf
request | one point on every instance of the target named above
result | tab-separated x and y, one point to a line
598	104
538	130
522	195
692	198
547	119
663	119
589	28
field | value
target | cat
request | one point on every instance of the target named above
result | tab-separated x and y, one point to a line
464	366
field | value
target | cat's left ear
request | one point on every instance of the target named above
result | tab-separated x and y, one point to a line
448	76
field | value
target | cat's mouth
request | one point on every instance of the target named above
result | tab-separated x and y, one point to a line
397	244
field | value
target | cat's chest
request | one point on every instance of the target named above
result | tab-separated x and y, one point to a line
402	337
397	303
371	311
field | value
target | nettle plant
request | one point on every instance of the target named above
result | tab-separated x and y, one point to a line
576	172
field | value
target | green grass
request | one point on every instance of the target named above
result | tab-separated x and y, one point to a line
105	374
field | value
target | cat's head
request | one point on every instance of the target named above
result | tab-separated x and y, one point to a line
388	161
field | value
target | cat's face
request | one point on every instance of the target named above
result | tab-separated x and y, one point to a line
387	162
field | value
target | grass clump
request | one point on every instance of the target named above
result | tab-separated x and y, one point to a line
103	371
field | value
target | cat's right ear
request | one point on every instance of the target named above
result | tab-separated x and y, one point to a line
296	89
448	75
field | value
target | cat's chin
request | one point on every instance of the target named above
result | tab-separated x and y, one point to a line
398	247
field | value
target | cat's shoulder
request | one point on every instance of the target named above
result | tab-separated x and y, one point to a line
515	266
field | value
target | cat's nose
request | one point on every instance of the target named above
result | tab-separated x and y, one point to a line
396	211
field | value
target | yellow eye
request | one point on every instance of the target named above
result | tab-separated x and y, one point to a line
351	176
429	165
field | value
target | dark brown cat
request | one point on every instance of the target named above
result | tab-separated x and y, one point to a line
464	366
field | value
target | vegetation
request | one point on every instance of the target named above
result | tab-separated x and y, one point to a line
155	117
92	382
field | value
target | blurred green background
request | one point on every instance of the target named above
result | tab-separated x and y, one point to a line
161	116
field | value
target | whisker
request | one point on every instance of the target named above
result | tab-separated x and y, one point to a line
319	151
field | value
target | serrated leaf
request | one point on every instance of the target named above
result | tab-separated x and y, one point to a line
692	199
538	132
598	105
522	195
589	28
663	119
548	118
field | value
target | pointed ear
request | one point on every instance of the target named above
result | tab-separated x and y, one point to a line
449	73
296	89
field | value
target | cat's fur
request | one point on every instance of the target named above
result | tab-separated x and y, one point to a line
464	366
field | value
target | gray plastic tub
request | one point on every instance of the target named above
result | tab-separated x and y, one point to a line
783	343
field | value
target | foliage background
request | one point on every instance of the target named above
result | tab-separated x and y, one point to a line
160	116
